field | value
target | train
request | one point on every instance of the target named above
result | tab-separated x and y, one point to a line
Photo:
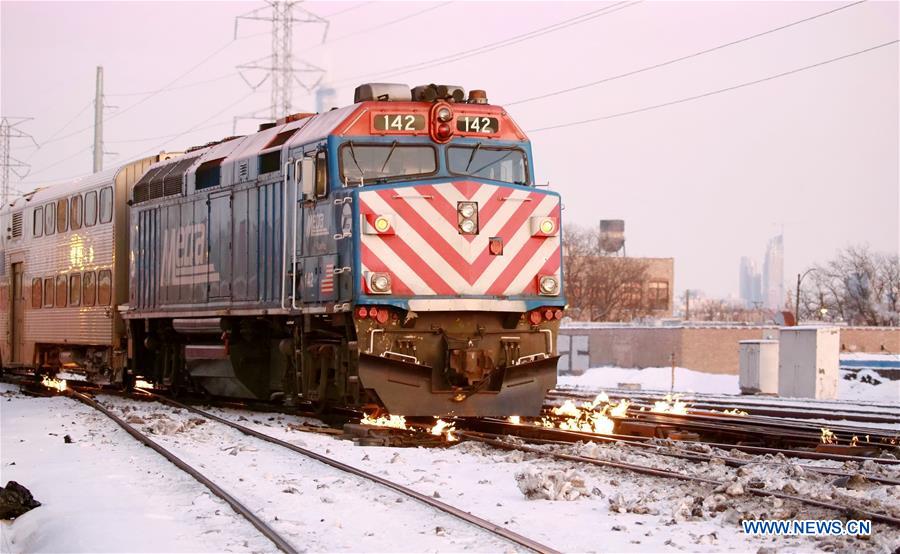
394	253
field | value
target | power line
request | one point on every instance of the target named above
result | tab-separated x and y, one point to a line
350	9
182	87
679	59
711	93
381	25
583	18
61	129
151	94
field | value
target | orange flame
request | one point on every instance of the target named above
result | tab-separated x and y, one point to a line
590	417
670	405
51	383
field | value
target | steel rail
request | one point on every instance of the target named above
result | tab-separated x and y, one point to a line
853	512
260	525
488	526
793	417
886	415
537	433
722	398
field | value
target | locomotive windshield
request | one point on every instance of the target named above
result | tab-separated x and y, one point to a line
380	162
499	164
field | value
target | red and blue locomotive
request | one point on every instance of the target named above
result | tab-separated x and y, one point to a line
395	252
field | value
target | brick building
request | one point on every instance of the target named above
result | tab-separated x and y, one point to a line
711	348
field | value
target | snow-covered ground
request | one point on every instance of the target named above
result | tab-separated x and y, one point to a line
856	388
104	492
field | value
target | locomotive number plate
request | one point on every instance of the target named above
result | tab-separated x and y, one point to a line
398	122
477	124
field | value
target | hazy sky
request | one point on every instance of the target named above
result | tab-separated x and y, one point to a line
704	181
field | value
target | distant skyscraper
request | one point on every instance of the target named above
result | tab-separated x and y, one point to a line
750	282
326	98
773	274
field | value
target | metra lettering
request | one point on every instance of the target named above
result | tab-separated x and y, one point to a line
185	260
315	225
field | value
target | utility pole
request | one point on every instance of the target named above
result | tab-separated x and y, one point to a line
9	131
281	67
98	122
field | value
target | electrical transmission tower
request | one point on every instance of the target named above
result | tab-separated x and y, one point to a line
9	131
281	67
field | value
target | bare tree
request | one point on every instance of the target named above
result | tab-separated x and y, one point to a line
601	288
858	286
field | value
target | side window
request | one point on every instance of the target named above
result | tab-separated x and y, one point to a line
62	215
48	292
75	289
90	208
62	286
104	287
106	206
50	218
36	296
321	175
75	205
37	223
89	289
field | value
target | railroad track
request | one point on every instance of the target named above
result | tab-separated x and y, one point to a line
500	441
278	540
832	410
744	429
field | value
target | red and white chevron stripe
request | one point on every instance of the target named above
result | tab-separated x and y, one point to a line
427	255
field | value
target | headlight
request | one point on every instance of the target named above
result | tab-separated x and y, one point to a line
466	209
382	224
380	283
467	226
549	285
444	114
547	226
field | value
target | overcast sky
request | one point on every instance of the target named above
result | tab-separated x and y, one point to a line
704	181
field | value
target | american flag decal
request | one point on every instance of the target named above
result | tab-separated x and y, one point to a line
427	255
326	285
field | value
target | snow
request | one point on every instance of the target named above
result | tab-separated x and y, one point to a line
104	492
653	378
691	381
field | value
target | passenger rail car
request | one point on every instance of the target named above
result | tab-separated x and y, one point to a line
64	271
395	252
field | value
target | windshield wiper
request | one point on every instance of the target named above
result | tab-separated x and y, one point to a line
472	156
391	153
353	155
498	160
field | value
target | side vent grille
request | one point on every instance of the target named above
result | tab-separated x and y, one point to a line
243	170
162	181
17	225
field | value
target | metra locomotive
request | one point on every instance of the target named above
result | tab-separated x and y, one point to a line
394	252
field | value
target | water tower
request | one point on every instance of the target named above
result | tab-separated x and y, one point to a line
612	237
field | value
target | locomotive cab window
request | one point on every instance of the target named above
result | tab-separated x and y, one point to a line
104	287
488	162
36	296
378	163
37	223
75	212
89	289
106	207
90	208
62	215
